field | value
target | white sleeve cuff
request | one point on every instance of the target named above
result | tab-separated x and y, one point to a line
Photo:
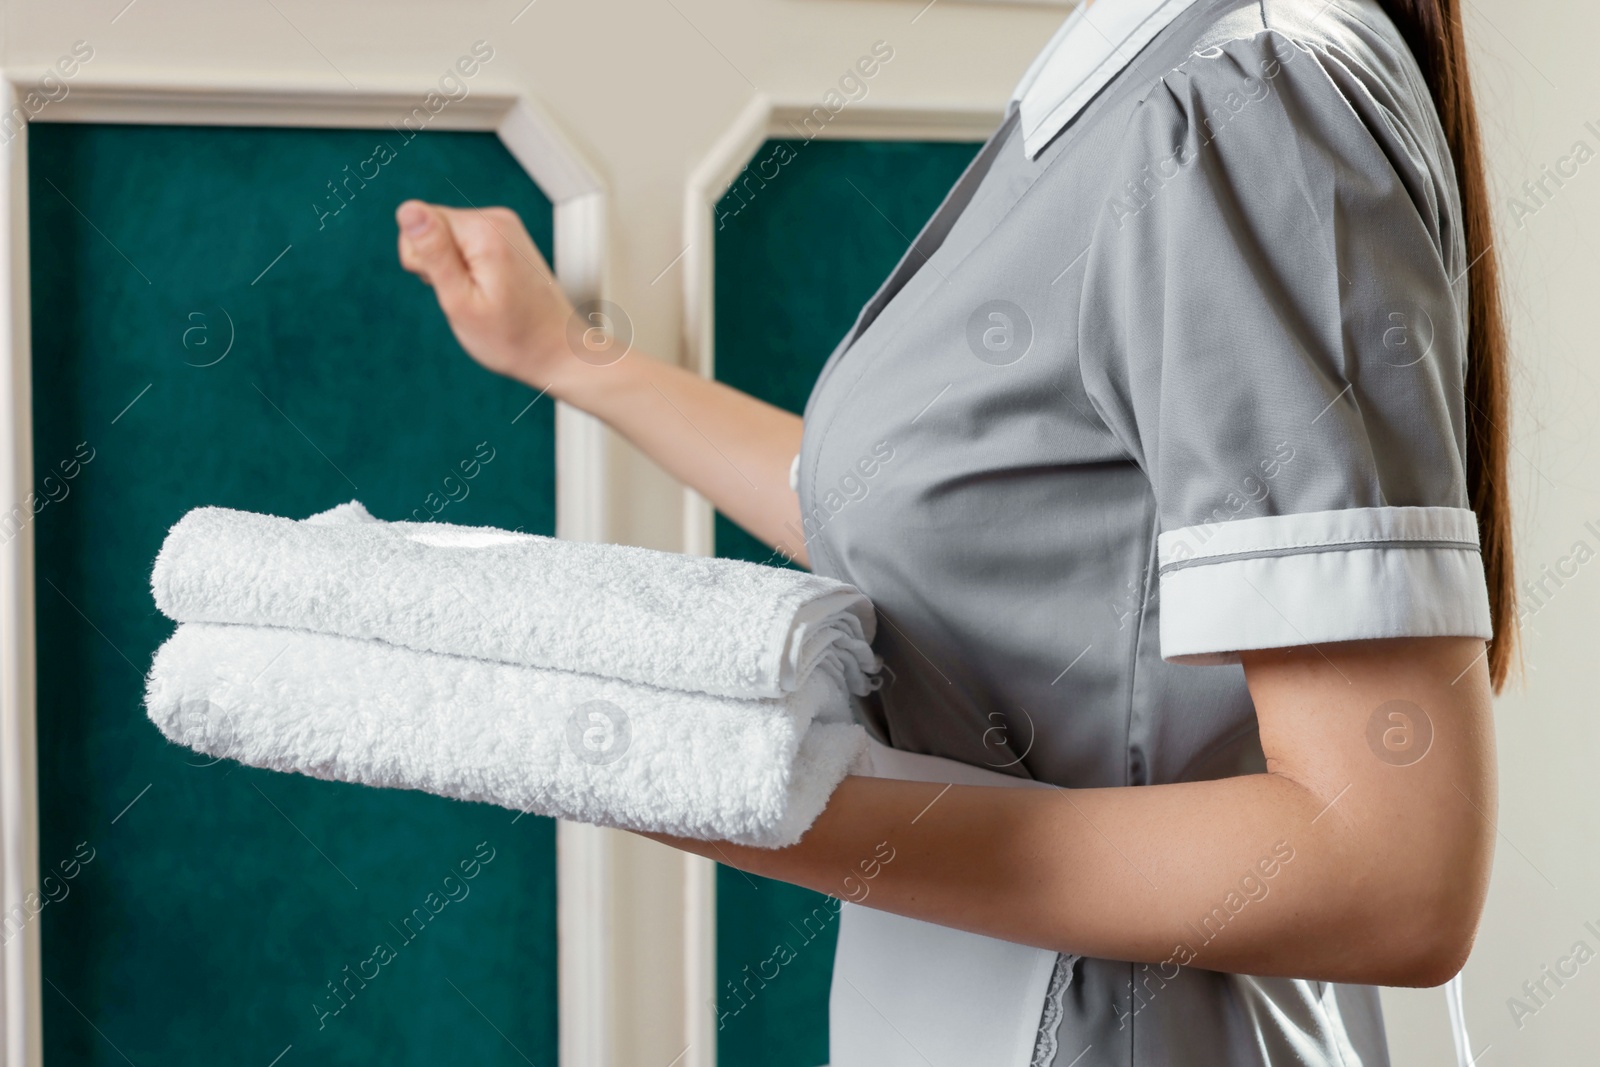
794	473
1346	575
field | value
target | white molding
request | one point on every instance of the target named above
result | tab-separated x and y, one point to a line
540	145
586	957
874	122
761	119
194	103
707	182
19	809
700	961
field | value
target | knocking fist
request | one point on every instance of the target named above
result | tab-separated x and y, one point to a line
499	295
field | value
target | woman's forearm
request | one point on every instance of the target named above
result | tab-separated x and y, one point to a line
731	448
507	311
1338	864
1234	875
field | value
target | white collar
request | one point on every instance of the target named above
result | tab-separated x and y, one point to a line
1089	49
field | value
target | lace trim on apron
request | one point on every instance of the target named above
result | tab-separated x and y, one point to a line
1044	1048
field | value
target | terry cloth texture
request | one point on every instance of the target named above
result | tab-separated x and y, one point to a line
665	619
264	668
575	746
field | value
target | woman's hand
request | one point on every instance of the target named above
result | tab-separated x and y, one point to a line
495	288
508	311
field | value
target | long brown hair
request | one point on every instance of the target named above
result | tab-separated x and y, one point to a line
1433	30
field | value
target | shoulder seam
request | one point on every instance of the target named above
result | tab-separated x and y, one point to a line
1350	11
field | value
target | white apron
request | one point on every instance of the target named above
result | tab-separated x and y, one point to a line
908	993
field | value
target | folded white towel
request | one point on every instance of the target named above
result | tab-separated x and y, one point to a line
754	771
683	622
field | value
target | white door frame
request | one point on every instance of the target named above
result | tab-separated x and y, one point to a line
579	197
761	119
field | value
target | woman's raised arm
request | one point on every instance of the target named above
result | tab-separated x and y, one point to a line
509	313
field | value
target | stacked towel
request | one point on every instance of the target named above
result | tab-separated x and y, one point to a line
701	697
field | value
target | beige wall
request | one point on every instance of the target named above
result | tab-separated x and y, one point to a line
1539	83
646	87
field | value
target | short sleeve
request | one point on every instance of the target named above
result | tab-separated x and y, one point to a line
1273	324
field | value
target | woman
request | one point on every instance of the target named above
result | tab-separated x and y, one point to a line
1194	388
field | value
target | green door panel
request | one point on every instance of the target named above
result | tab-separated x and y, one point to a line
219	318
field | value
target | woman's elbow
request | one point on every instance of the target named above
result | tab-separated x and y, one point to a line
1436	951
1431	927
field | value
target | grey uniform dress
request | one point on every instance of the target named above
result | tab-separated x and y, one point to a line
1185	382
